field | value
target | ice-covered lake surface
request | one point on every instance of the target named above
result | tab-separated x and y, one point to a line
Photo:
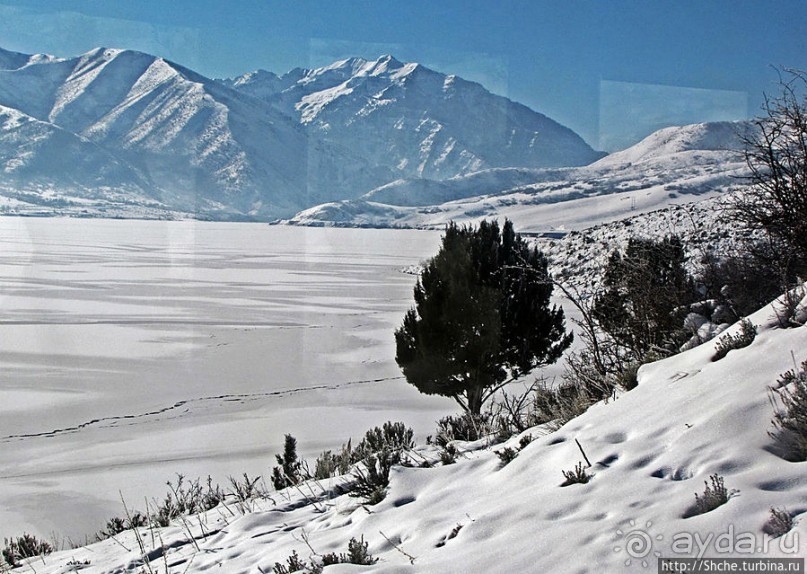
135	350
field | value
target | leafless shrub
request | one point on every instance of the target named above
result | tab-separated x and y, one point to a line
714	495
789	399
576	476
779	523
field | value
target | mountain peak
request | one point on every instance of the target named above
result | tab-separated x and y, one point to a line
361	67
255	77
389	60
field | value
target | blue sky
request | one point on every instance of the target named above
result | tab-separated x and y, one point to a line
611	70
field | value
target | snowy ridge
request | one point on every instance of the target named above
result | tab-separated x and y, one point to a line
668	167
714	136
33	149
651	450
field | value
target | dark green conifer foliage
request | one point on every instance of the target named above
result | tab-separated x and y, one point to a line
482	316
290	470
646	297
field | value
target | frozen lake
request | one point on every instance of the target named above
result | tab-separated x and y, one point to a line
135	350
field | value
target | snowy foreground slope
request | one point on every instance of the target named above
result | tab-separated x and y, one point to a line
651	450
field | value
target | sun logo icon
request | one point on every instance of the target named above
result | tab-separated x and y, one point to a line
638	543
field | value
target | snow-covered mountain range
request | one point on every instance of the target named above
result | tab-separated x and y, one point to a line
118	132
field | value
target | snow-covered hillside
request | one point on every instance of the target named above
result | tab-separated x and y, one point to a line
257	147
651	451
669	166
579	257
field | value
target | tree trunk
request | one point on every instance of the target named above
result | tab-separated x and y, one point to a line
474	396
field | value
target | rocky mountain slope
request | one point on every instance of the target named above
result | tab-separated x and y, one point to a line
414	121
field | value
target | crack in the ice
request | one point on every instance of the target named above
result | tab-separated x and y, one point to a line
180	404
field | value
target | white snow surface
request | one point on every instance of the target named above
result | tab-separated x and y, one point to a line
651	450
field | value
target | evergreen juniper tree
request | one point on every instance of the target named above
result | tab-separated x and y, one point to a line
647	290
482	316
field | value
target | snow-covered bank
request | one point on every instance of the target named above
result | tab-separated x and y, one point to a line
651	450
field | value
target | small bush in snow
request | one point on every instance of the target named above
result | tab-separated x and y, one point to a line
790	308
507	455
560	404
392	437
449	454
357	553
628	378
326	465
245	488
372	477
290	470
538	404
184	498
330	464
790	414
576	476
462	427
513	412
714	495
116	525
726	343
780	523
293	564
25	546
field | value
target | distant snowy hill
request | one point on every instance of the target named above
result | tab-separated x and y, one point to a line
144	130
674	141
667	167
